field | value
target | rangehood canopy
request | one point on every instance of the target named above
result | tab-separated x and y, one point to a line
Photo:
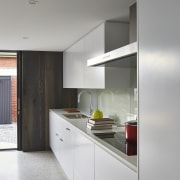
123	52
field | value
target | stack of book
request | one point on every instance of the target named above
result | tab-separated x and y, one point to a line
101	123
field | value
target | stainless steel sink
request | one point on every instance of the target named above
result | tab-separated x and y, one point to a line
75	116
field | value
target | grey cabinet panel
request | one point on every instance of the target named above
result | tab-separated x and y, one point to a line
159	89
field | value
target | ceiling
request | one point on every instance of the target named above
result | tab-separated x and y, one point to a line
54	25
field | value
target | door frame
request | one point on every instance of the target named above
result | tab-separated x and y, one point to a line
19	100
19	96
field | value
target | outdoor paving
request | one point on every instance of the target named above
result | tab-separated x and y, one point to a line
8	136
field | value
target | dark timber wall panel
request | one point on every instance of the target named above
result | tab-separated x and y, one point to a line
42	89
5	99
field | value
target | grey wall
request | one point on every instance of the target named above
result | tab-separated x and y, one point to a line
159	89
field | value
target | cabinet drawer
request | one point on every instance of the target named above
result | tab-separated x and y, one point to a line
108	167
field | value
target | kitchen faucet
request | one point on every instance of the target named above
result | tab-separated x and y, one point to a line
90	94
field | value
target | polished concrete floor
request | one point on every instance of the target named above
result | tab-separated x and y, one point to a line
17	165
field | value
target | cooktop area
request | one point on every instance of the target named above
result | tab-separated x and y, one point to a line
118	140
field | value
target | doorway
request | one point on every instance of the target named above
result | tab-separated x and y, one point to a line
8	100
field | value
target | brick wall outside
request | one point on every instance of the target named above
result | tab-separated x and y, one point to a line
14	98
6	63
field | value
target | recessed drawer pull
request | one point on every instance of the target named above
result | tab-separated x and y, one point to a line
68	129
61	139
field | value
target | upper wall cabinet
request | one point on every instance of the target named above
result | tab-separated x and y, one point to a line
106	37
74	66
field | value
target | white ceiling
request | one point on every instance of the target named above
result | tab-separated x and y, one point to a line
54	25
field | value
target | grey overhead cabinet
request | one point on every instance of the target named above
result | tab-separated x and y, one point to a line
104	38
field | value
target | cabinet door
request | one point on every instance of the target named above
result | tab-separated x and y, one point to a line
107	167
66	69
94	77
61	143
76	74
83	158
67	150
73	66
94	46
52	131
95	42
55	134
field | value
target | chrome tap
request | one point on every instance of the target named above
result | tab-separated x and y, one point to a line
90	94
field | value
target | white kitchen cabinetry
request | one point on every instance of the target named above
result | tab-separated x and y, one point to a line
67	150
107	167
104	38
54	134
61	143
80	156
83	158
74	66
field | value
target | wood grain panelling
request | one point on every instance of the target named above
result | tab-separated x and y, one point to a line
42	89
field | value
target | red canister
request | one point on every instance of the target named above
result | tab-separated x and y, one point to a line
131	131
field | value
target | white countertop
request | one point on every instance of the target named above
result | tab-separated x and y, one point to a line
80	125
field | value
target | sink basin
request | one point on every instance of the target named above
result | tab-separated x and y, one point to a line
75	116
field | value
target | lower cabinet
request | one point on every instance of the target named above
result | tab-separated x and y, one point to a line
107	167
66	151
61	143
83	158
54	134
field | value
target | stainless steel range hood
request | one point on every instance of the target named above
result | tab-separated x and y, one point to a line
126	55
123	52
